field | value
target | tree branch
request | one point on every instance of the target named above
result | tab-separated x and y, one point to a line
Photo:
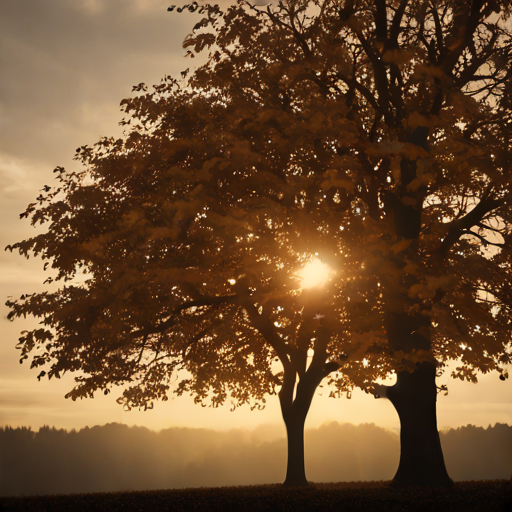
287	389
266	328
482	239
465	22
468	74
298	36
490	228
204	301
394	31
145	339
380	20
366	93
331	366
381	80
439	34
460	226
322	335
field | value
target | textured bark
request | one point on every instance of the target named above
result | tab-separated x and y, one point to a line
414	397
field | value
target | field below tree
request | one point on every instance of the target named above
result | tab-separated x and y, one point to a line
495	495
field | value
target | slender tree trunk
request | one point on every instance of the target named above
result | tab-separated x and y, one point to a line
294	416
295	467
295	408
414	396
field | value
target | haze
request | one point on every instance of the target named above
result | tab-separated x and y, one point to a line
117	458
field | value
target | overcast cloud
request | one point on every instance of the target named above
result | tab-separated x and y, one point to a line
66	66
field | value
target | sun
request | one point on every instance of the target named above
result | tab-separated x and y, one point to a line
314	274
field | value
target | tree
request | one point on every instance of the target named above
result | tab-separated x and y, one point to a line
374	133
411	133
182	263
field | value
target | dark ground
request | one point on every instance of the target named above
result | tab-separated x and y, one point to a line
485	496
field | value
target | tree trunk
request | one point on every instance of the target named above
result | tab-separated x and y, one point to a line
295	468
294	416
414	396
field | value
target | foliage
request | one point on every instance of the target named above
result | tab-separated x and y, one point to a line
179	258
374	134
408	114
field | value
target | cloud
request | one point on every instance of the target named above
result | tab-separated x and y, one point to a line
93	7
66	66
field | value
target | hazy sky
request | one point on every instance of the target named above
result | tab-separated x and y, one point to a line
65	66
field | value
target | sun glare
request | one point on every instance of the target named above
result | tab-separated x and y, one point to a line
315	273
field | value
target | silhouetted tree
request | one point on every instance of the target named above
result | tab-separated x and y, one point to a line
182	259
374	133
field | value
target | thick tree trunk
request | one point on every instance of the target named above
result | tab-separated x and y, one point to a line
414	396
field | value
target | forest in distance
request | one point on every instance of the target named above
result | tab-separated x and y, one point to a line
115	457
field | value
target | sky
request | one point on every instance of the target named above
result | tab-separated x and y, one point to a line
65	67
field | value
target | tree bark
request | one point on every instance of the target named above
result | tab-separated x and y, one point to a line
414	397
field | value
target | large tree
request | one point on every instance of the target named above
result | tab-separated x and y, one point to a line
176	266
373	133
411	133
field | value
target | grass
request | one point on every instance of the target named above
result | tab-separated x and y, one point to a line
485	496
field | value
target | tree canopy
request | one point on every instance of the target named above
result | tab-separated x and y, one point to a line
410	129
177	253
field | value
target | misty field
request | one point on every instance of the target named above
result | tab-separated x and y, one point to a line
490	495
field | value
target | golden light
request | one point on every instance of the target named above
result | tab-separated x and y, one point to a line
313	274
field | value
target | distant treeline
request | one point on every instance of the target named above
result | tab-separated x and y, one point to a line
116	457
